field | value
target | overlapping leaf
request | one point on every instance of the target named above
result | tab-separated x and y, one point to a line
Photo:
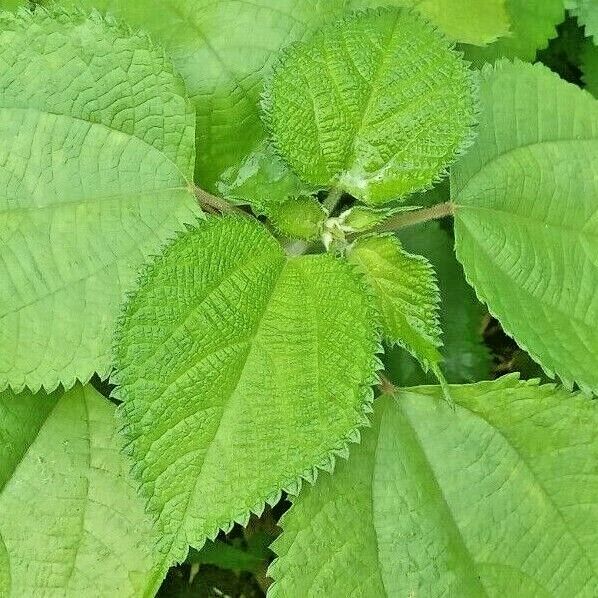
498	496
526	222
465	358
377	105
586	12
241	371
96	151
71	523
405	289
533	23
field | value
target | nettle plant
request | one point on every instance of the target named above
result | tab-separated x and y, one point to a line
236	246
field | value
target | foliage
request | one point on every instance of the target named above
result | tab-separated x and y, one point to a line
222	210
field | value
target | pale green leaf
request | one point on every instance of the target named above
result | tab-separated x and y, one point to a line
498	497
71	522
589	67
377	105
468	21
465	357
404	286
363	218
526	220
586	12
533	23
241	371
12	5
96	151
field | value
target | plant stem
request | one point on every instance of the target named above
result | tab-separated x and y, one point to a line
211	203
332	200
405	219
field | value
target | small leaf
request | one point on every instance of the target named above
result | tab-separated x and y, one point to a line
465	357
72	523
377	105
586	12
526	222
498	497
300	218
96	152
362	218
241	371
533	23
404	286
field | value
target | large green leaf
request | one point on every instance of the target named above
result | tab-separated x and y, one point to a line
405	289
496	498
96	153
377	105
465	357
533	23
71	523
241	371
526	219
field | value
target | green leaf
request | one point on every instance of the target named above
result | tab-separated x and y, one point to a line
533	23
300	218
526	220
589	67
586	12
95	157
460	20
72	523
377	105
223	49
363	218
241	371
12	5
496	498
465	357
406	293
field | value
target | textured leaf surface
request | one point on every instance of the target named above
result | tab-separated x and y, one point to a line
405	289
94	161
498	496
222	49
300	218
467	21
71	522
526	223
586	12
533	23
377	105
465	357
240	370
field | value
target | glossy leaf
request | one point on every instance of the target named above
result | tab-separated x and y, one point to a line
95	160
358	108
497	496
241	371
71	522
526	222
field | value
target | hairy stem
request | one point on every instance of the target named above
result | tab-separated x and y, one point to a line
405	219
211	203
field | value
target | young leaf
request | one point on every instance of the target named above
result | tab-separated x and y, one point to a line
241	371
526	221
436	502
533	23
95	157
300	218
72	523
377	105
465	357
405	289
586	12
